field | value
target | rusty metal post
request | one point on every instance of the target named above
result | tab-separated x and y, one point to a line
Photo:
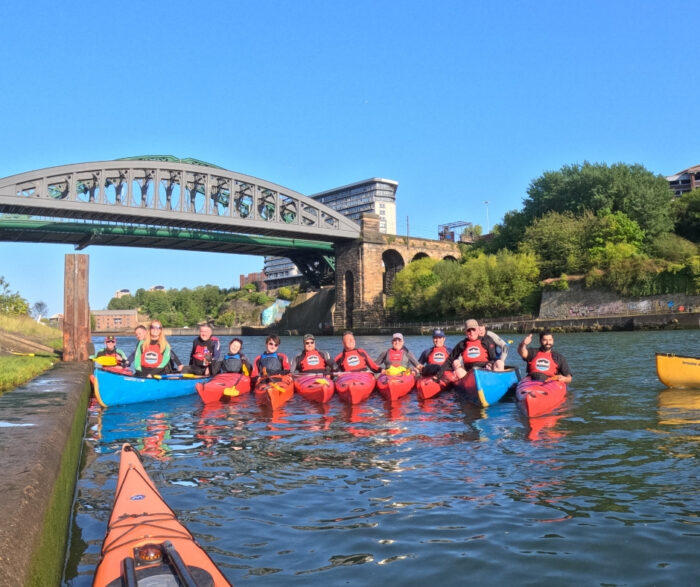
76	310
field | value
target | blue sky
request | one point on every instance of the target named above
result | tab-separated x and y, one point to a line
461	102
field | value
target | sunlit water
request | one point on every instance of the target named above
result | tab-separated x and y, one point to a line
604	493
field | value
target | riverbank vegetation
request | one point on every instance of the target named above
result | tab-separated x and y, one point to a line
188	307
26	348
619	226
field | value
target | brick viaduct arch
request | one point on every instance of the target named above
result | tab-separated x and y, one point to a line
366	269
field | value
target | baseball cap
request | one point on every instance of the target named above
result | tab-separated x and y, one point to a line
471	324
438	333
309	337
397	335
110	339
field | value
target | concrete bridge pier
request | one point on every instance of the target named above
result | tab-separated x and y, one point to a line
76	309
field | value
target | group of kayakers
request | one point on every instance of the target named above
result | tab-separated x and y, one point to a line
480	348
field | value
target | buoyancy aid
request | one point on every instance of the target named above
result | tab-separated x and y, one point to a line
354	360
475	354
396	358
204	351
151	355
270	364
312	361
543	363
438	355
232	363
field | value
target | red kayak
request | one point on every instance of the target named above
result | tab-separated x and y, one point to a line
145	543
274	390
354	387
430	386
393	387
314	386
536	398
223	385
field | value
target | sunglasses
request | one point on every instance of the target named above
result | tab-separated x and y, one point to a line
272	344
156	327
308	342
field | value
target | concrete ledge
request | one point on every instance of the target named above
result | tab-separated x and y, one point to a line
41	429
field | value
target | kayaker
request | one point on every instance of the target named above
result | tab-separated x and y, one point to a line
501	345
111	350
472	351
234	361
140	333
153	355
544	364
311	360
353	359
205	350
271	362
398	356
431	359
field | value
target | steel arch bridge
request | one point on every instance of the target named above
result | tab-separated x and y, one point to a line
170	203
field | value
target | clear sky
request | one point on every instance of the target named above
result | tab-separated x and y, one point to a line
461	102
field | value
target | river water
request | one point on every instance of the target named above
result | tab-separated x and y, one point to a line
606	492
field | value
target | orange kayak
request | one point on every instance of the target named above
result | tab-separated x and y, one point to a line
145	544
393	387
354	387
274	390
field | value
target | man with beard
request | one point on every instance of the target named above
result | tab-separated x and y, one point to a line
544	364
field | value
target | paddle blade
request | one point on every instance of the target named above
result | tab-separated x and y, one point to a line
106	361
231	391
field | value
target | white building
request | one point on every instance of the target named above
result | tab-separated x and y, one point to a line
376	195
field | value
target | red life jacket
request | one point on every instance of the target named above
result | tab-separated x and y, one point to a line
543	363
395	358
151	355
475	354
204	351
438	355
312	361
352	360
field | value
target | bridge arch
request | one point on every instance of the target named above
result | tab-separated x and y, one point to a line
392	262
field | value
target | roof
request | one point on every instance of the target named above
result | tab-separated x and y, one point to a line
690	170
113	312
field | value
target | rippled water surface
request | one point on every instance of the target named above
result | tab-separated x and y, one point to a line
606	492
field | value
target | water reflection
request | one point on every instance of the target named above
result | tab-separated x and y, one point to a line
679	407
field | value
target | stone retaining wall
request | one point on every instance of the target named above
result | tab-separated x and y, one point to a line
42	425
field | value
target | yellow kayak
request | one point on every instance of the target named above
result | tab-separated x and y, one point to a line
678	371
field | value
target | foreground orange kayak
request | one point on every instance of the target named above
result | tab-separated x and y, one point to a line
274	390
145	544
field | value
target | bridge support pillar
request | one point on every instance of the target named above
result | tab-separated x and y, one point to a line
358	283
76	310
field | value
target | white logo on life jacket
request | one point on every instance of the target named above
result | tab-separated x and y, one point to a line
542	365
439	357
313	360
353	361
473	352
150	357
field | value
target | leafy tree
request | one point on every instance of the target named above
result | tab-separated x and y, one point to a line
40	310
686	213
508	234
123	303
631	189
414	289
11	302
673	248
559	242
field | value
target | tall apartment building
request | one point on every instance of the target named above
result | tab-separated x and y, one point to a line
685	181
374	195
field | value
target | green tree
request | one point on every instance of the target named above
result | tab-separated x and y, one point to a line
11	302
631	189
559	242
673	248
686	213
414	289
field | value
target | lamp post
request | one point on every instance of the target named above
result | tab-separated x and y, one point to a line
488	226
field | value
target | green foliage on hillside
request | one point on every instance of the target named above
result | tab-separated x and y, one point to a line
189	307
618	225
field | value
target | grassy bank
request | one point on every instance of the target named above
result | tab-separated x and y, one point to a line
26	349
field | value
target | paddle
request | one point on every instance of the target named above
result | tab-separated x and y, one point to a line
231	391
106	361
31	355
178	376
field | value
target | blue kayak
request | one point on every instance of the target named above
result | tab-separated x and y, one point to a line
112	389
484	387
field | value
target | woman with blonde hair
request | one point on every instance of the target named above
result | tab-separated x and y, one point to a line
153	354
